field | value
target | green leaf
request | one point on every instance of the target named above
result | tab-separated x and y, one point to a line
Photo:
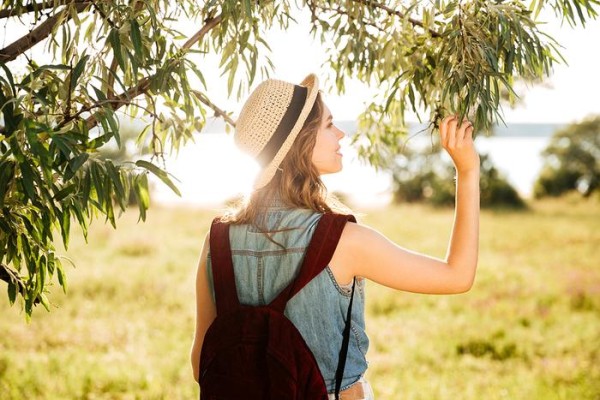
134	64
108	200
136	39
31	229
115	42
75	164
97	181
196	71
41	279
99	94
51	263
114	125
115	178
10	78
65	226
77	71
99	141
7	170
81	219
162	175
12	118
44	301
140	187
12	292
62	278
87	186
28	306
27	179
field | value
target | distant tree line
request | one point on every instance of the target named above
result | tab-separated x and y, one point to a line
571	163
423	176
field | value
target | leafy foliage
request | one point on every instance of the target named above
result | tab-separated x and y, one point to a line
459	57
572	160
129	57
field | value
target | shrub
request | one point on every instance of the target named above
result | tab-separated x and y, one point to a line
496	191
423	177
571	160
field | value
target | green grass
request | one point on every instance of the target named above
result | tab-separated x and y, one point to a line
529	328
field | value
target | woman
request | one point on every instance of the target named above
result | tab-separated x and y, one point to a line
289	130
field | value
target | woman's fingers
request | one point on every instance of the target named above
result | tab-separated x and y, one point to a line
469	132
444	129
452	134
461	134
451	140
457	140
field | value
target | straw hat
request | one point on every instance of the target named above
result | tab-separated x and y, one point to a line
270	120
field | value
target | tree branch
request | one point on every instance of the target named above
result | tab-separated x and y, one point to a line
218	111
40	33
210	24
10	276
399	14
98	104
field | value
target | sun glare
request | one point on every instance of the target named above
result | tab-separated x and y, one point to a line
212	170
209	172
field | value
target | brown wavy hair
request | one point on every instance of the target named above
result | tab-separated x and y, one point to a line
297	183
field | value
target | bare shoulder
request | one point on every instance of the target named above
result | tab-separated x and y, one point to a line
352	251
357	239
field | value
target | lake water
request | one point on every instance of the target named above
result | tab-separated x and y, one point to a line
211	170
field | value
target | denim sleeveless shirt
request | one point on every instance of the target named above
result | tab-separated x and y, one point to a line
262	269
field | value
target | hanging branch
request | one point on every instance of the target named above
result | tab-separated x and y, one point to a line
217	110
18	47
346	13
144	84
10	276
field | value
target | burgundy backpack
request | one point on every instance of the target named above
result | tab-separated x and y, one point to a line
256	353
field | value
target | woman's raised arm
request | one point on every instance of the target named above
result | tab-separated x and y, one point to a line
365	252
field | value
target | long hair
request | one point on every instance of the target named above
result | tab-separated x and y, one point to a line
297	182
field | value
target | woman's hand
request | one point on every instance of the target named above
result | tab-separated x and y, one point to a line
458	142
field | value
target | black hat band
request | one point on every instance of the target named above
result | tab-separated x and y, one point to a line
285	126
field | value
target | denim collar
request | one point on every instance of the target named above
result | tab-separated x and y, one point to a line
275	202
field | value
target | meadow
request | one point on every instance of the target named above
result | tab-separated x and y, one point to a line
528	329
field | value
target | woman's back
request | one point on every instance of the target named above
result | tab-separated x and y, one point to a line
263	268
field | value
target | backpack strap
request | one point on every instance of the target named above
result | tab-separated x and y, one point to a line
339	373
223	277
318	255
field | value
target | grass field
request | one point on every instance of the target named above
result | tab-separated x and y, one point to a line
529	328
